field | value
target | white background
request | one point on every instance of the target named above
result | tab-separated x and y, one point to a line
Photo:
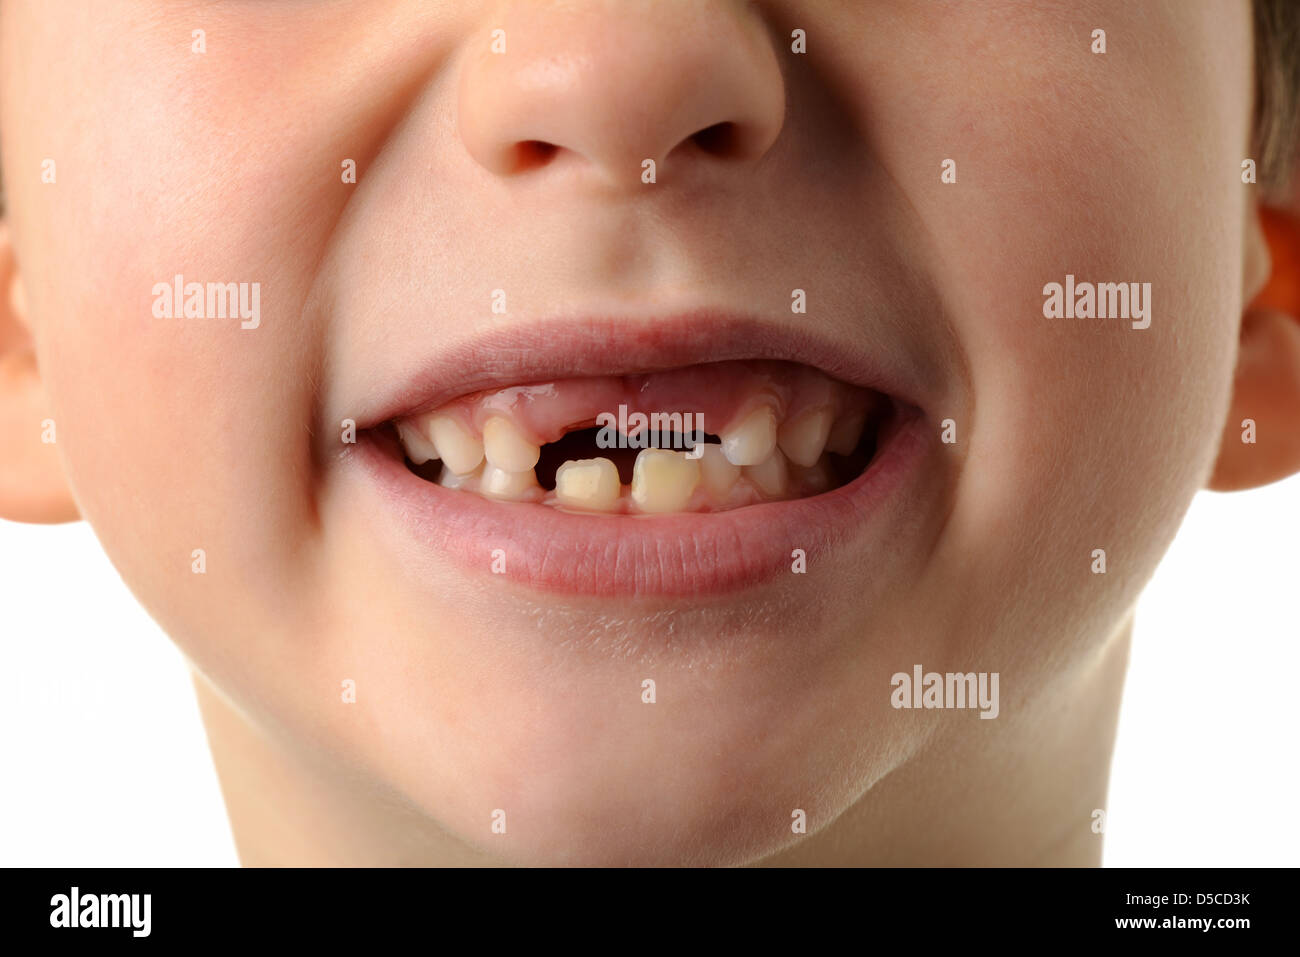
103	760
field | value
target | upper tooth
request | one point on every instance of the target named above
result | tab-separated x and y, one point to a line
718	474
506	447
663	481
588	483
846	432
417	445
804	438
752	439
498	483
460	450
769	476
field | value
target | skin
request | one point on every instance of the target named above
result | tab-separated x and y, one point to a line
473	695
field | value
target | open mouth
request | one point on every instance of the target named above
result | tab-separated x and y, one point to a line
704	438
690	455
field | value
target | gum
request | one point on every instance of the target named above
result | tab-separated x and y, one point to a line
721	393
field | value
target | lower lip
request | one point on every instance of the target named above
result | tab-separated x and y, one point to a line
683	554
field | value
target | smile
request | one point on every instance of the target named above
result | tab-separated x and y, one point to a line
788	431
556	479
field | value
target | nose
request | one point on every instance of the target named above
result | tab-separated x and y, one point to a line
608	85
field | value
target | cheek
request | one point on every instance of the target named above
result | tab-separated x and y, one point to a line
1090	419
179	430
1084	433
1108	167
1102	430
193	426
178	433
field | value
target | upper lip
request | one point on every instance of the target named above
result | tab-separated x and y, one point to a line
520	352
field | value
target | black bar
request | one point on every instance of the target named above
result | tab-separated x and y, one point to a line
981	906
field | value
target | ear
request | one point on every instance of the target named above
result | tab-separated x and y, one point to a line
32	485
1261	439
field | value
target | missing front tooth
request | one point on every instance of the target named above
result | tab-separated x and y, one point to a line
783	431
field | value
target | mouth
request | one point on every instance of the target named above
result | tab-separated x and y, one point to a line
644	444
635	476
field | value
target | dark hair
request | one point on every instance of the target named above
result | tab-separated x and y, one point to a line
1277	92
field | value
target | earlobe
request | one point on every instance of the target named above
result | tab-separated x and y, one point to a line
32	483
1261	438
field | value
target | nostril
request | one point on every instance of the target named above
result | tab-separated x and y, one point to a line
720	139
532	154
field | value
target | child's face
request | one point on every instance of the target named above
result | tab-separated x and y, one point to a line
523	690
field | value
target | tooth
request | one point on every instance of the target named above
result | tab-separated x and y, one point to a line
803	439
514	486
459	449
718	474
449	479
753	440
769	476
588	483
814	479
416	444
507	448
663	481
846	432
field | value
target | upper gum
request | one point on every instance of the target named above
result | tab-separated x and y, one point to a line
543	412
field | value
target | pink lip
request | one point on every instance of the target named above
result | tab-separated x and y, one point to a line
688	554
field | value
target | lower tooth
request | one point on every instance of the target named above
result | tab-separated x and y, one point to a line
450	479
718	474
770	475
588	483
512	486
663	481
814	479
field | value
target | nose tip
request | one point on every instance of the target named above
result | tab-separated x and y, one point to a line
610	85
